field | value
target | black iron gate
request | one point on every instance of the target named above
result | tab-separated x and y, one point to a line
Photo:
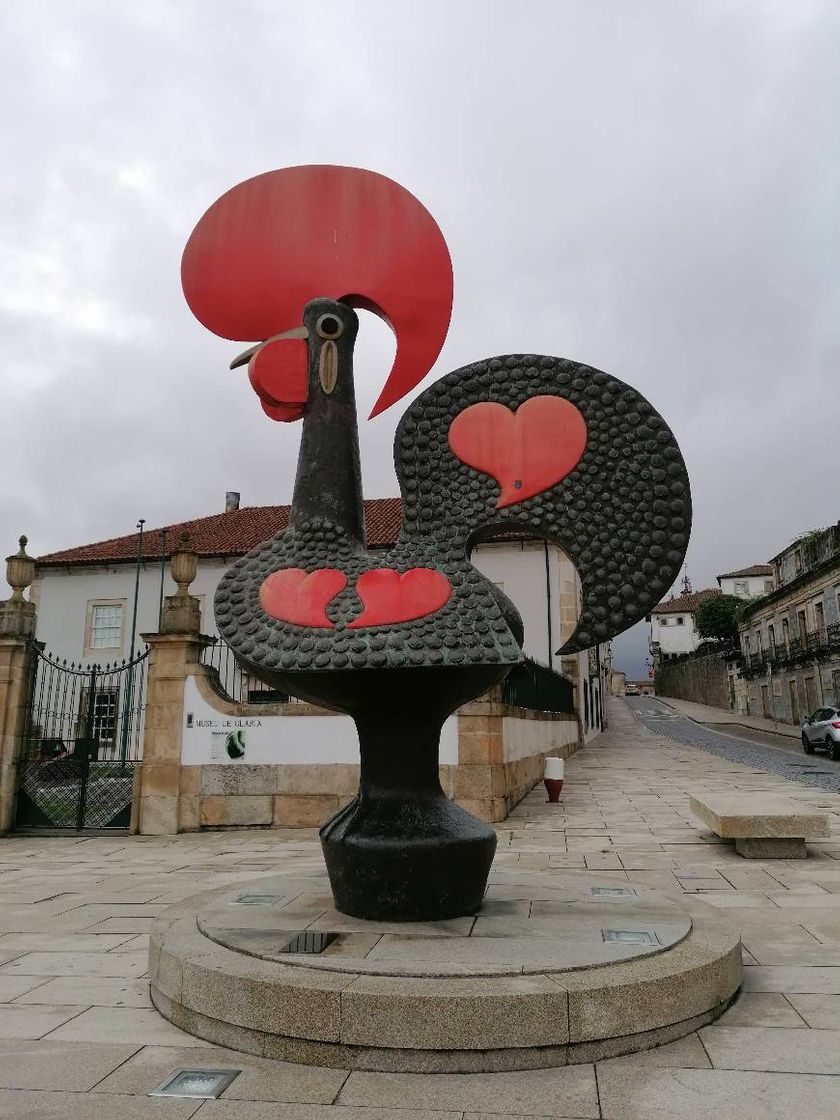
83	740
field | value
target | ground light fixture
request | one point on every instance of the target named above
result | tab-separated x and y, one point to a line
197	1084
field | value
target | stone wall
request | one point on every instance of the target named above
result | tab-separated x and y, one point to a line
494	755
701	677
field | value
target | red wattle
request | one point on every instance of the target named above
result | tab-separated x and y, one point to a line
291	595
389	596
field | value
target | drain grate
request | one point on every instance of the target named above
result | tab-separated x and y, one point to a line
309	941
631	936
197	1084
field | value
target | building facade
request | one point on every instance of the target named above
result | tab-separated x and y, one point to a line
673	627
790	638
748	583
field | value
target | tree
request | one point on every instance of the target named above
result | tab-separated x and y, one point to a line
717	617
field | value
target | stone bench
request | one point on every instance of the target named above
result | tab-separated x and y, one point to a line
763	826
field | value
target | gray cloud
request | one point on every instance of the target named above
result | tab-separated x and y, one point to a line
648	187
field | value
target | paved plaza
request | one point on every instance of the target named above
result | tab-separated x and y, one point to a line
79	1038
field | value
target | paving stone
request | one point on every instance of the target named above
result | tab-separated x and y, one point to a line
773	1049
261	1079
23	1104
46	1064
226	1109
77	964
94	991
819	1011
33	1022
567	1092
124	1024
761	1009
698	1094
792	979
62	942
12	987
685	1053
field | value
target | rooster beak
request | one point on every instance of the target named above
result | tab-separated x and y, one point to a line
247	355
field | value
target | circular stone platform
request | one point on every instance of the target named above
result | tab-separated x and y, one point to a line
555	968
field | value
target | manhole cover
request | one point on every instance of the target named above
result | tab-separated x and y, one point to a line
309	941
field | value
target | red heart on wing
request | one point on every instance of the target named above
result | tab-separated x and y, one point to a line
526	451
389	596
291	595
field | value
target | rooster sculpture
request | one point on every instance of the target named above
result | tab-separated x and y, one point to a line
524	441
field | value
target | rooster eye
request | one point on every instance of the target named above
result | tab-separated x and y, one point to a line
329	326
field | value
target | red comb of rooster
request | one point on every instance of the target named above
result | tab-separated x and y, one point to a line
272	243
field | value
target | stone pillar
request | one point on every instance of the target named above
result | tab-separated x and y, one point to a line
173	651
17	629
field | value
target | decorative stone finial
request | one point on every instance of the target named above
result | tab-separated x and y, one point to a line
184	564
20	571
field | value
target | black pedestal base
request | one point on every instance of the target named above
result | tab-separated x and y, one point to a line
394	859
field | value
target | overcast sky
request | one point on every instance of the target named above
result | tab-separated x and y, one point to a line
649	187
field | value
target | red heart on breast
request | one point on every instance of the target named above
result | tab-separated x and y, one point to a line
389	596
527	451
291	595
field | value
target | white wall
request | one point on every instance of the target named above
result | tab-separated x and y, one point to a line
754	586
62	596
519	568
275	740
672	637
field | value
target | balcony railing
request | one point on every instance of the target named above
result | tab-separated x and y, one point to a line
814	644
535	686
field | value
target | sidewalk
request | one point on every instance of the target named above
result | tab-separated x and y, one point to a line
705	713
79	1039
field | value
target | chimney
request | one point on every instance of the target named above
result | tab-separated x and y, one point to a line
231	501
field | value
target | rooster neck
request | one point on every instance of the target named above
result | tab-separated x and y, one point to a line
328	483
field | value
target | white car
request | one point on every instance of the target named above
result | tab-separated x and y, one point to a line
632	690
822	729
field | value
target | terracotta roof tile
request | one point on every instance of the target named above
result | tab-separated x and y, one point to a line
753	570
222	534
685	603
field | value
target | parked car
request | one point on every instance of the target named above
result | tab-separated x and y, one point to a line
822	729
632	690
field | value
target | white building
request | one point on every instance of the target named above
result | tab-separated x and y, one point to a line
673	628
86	596
748	583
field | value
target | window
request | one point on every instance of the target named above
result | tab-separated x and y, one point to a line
797	561
819	616
758	645
680	620
742	587
663	622
803	623
768	586
771	635
785	631
104	630
746	643
104	722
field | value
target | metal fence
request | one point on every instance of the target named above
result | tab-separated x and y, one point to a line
813	644
83	739
535	686
234	682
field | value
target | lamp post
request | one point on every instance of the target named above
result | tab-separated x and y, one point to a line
129	677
